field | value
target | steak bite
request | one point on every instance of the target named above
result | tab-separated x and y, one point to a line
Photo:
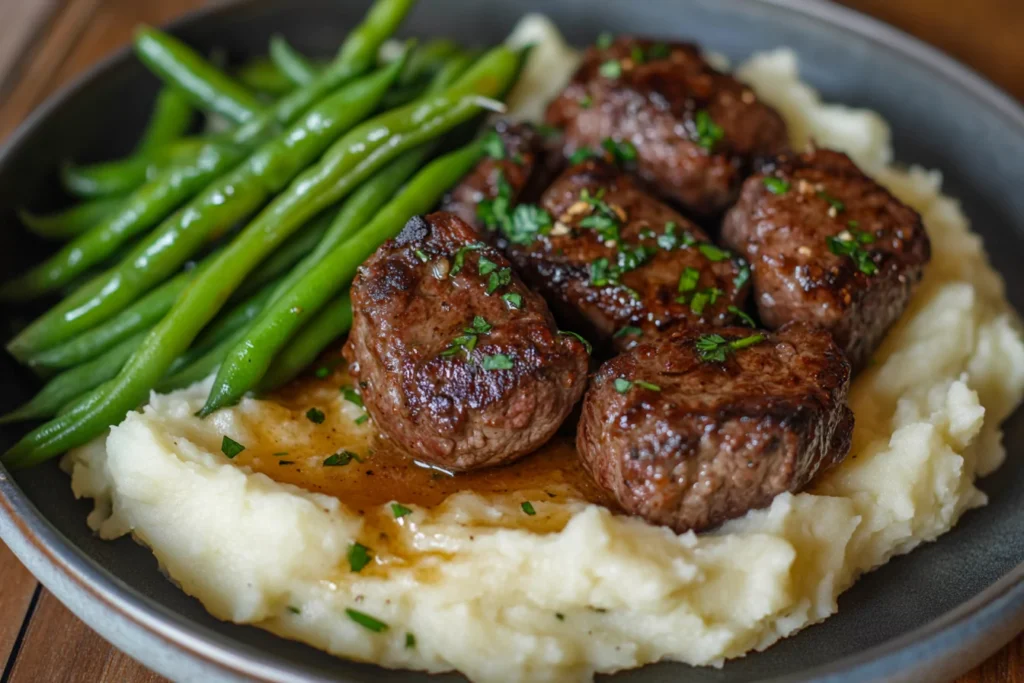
828	245
460	364
618	264
700	427
695	129
514	167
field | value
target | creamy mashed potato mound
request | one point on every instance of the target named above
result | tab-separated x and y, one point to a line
580	590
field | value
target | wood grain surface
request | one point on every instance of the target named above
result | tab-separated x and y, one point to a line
44	43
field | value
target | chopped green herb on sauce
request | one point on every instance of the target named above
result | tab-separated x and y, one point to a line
315	415
498	361
715	348
358	557
230	447
527	507
776	185
579	337
399	510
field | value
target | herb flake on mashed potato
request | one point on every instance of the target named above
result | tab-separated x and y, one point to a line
475	590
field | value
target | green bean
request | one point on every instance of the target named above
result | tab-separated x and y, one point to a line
228	322
154	201
333	320
69	223
224	202
144	208
125	175
247	363
145	312
350	161
291	62
201	366
171	118
206	86
263	76
427	59
74	382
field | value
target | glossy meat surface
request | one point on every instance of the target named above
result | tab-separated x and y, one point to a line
459	363
689	432
696	130
617	261
828	245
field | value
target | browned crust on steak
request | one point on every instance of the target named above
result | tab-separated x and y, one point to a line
797	277
559	264
718	439
448	410
654	105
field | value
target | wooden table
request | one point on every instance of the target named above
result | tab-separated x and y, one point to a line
44	43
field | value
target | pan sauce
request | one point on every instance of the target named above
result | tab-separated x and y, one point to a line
383	473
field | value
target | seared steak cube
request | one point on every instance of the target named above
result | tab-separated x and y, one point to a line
696	130
618	264
461	365
702	426
515	166
828	245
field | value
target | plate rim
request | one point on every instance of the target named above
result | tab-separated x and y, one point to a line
173	645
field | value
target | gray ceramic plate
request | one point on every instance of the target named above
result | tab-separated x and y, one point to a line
924	617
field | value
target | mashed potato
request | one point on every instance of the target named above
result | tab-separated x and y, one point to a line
466	585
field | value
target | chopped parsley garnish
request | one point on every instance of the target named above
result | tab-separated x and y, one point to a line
460	254
421	255
410	640
688	279
704	298
603	272
712	253
715	348
341	458
513	300
498	361
480	325
498	279
493	145
708	132
527	507
744	274
606	226
352	396
611	150
294	610
366	621
628	330
230	447
468	340
586	102
604	40
622	152
850	243
636	53
362	419
611	69
742	315
658	51
285	462
280	454
358	557
669	240
520	226
853	224
776	185
833	203
623	385
528	221
315	415
399	510
322	372
570	333
485	266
